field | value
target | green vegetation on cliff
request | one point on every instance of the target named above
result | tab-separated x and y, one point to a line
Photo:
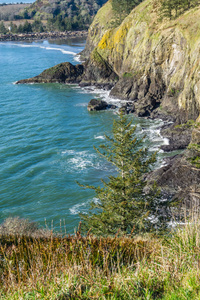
163	53
174	8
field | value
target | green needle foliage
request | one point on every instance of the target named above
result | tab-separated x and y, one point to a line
124	206
122	8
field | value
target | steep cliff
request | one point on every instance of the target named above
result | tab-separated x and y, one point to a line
157	61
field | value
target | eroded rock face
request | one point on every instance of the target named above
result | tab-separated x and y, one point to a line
179	137
157	62
98	72
180	178
62	73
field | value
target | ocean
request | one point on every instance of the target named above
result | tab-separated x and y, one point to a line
47	137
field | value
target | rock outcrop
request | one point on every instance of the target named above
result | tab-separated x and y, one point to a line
98	72
96	105
62	73
157	61
180	178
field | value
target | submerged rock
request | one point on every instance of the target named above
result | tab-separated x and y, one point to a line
62	73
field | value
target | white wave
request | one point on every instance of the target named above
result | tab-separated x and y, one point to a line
75	210
80	163
43	46
96	200
58	49
165	141
81	104
77	58
82	207
79	160
103	94
101	137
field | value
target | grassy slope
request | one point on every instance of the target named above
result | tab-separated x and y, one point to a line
104	268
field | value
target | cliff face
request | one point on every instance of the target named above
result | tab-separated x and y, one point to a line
158	62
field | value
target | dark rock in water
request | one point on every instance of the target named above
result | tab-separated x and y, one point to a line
112	106
128	108
62	73
95	105
180	178
146	93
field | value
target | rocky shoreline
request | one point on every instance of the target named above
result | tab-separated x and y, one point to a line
42	36
180	178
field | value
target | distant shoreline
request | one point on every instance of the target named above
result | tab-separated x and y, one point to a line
42	35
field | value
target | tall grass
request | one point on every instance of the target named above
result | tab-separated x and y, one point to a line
77	267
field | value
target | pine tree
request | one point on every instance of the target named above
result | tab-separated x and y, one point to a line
3	28
122	8
123	205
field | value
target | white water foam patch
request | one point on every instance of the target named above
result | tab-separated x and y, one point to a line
77	58
82	207
99	137
102	94
79	160
75	210
82	160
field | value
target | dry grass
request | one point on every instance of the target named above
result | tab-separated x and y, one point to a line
77	267
7	12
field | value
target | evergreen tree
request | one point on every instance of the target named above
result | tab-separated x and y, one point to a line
174	8
3	28
27	28
122	8
123	204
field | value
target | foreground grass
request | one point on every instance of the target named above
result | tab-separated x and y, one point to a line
76	267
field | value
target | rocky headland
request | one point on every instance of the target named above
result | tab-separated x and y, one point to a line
154	65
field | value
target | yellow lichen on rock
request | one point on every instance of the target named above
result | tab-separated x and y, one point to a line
166	50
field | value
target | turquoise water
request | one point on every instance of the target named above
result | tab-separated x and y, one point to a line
47	136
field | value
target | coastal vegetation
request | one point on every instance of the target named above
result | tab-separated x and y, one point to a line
126	259
49	16
123	205
89	267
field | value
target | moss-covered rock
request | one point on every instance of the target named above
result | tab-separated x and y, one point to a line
163	57
98	72
62	73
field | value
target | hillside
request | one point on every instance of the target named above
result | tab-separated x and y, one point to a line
9	11
157	61
43	15
65	13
